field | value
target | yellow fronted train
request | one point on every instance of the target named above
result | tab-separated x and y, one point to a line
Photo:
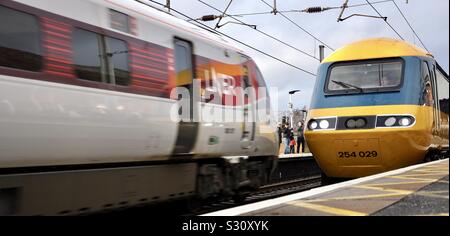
378	105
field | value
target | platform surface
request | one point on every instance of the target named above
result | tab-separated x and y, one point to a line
416	190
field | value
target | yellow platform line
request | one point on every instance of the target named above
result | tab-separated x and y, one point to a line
438	214
428	174
430	194
437	191
411	178
435	169
359	197
400	191
429	171
441	214
444	165
327	209
397	183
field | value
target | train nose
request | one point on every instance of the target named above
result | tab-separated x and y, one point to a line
358	153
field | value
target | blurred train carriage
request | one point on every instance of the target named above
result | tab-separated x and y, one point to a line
85	109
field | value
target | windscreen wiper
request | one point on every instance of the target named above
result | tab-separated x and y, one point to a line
347	85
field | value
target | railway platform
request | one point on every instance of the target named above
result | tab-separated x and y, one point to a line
420	190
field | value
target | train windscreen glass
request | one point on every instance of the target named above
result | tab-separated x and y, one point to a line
364	77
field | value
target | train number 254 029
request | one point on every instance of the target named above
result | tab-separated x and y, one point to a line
358	154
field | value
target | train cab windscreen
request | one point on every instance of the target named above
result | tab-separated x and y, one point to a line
365	76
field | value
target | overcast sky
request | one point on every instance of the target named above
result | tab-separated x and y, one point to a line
429	18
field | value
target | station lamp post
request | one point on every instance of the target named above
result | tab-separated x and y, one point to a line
291	107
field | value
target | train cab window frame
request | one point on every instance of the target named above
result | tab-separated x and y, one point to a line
349	88
20	43
109	70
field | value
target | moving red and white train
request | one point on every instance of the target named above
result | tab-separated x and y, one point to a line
85	109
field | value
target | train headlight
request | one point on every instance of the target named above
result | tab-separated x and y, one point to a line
351	124
313	125
390	121
360	123
405	121
324	124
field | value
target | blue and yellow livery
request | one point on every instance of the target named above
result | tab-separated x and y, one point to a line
378	104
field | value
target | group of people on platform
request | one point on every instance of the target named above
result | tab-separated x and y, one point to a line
286	135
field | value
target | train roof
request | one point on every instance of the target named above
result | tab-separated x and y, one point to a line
376	48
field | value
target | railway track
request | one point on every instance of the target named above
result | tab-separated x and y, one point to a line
292	175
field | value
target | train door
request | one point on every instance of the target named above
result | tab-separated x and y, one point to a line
248	124
429	92
442	103
435	99
184	67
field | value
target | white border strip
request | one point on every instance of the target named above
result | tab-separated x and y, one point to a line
277	201
285	156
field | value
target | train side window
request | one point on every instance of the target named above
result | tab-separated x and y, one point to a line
117	52
87	55
427	94
120	21
183	64
20	42
100	58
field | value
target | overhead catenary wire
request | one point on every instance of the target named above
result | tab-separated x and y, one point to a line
404	17
365	4
307	10
385	20
230	37
264	33
310	34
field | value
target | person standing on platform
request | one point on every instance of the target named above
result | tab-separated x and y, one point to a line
301	137
280	138
286	136
292	144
